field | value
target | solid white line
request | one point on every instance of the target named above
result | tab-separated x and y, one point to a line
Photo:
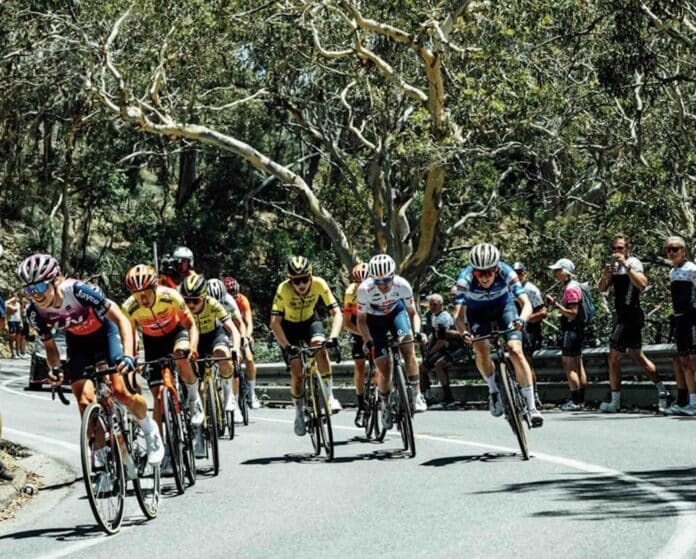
22	393
684	535
79	546
44	440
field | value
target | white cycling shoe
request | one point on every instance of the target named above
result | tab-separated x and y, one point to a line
196	413
155	447
419	403
335	405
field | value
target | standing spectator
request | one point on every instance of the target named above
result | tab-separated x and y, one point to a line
682	283
441	322
625	273
572	330
531	335
14	324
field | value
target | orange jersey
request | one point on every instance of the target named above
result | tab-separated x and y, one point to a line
166	281
163	317
350	301
242	303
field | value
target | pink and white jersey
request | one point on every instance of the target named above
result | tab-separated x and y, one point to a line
372	301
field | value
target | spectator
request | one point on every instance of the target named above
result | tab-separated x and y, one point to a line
14	324
168	275
682	281
572	330
625	274
441	322
532	335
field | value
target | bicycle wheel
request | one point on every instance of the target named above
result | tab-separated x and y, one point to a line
222	420
172	437
243	397
379	430
513	411
212	429
323	417
186	434
309	412
147	483
403	409
102	469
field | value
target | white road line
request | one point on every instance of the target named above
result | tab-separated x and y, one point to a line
683	537
22	393
43	440
79	546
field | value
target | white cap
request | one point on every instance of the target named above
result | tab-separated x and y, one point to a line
564	264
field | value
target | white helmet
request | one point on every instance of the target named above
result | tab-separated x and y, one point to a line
381	266
182	253
216	289
38	267
484	256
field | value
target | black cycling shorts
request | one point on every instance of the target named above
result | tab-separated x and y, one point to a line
157	347
571	343
209	341
627	335
684	334
306	331
357	347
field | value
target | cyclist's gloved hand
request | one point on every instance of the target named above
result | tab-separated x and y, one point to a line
467	337
517	324
289	352
233	355
55	376
368	347
333	341
420	338
193	354
126	364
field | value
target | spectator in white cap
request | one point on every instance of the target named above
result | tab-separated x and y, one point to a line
572	332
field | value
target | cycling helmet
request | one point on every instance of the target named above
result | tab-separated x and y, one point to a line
194	286
484	256
298	266
183	253
382	266
216	289
37	268
231	284
360	272
141	277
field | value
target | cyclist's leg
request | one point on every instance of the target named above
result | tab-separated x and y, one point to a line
442	375
317	334
359	368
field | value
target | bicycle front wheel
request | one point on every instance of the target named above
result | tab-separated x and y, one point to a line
212	429
513	410
323	416
220	392
102	469
147	483
172	435
244	397
403	410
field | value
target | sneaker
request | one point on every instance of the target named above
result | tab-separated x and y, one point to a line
495	406
335	405
419	404
537	418
688	410
674	409
570	406
444	405
196	413
199	444
231	404
103	485
255	404
155	448
387	417
237	416
300	427
608	407
452	404
360	418
664	401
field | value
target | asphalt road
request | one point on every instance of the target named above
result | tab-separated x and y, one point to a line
619	486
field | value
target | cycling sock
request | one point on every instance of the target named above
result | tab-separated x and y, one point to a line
252	384
528	392
329	386
384	398
415	386
361	401
147	424
575	396
299	402
192	390
492	385
692	400
682	396
582	395
616	398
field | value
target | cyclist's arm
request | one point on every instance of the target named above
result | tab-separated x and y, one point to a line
362	326
277	330
526	306
190	324
437	346
348	323
231	329
460	322
336	323
52	353
249	323
413	315
240	327
115	315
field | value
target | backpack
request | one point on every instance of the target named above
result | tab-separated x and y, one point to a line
587	306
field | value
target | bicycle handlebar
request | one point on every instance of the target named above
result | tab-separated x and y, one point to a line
311	351
57	389
494	334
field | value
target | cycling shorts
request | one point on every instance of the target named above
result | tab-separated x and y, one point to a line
396	322
297	332
101	346
211	341
430	360
684	334
627	334
483	321
157	347
357	347
571	342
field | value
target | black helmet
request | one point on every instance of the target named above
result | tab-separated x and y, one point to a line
194	286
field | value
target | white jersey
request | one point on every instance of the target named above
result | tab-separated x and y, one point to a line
534	295
230	305
372	301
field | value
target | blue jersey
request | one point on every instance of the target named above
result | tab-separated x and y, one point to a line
505	287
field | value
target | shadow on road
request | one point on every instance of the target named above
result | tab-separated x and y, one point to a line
310	458
602	497
80	532
487	457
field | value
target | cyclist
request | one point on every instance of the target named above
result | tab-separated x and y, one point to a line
350	309
167	327
217	334
95	329
183	260
232	286
216	289
486	293
167	272
294	319
385	304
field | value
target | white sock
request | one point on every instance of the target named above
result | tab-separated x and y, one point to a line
227	387
492	385
528	393
692	400
192	390
147	424
329	388
252	384
616	398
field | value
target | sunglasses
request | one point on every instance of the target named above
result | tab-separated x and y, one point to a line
193	300
673	249
36	288
484	273
615	248
383	281
300	281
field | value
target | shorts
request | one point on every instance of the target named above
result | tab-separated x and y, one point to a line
396	322
210	341
101	346
157	347
483	321
430	360
571	343
684	334
297	332
626	335
14	327
357	347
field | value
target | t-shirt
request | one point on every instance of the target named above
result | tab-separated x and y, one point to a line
572	295
295	308
440	323
536	300
626	295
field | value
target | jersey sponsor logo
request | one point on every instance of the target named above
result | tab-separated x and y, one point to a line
86	297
